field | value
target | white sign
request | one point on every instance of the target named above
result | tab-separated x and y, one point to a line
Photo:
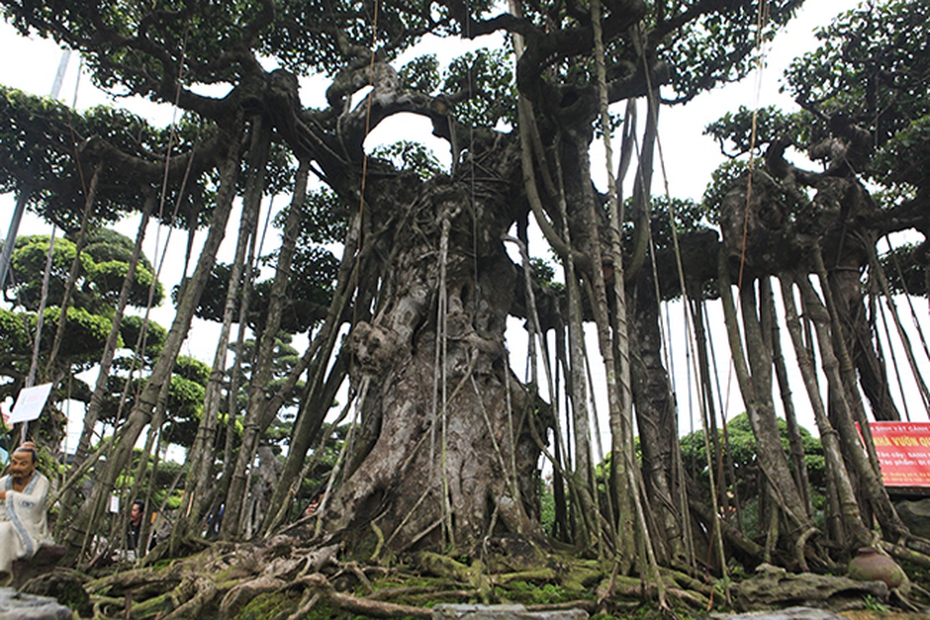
29	403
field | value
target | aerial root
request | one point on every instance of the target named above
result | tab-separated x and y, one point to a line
197	591
101	601
353	568
799	548
366	607
311	577
186	599
902	552
691	599
306	604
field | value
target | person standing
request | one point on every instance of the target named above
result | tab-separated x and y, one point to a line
134	528
23	523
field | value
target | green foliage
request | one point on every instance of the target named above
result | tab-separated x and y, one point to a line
104	263
421	73
410	156
749	131
192	370
865	111
687	216
348	27
488	80
281	172
906	275
27	268
873	604
312	274
270	605
870	66
213	299
15	339
105	244
740	446
133	327
905	157
39	135
722	181
871	71
108	277
544	274
87	334
161	477
719	46
528	593
324	218
547	508
185	400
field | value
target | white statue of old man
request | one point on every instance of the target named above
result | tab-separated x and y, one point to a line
23	525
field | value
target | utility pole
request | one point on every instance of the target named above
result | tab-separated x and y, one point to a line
25	192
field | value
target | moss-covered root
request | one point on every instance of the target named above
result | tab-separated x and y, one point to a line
365	607
198	593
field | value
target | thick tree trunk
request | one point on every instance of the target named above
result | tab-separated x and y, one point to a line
446	419
587	513
784	389
859	337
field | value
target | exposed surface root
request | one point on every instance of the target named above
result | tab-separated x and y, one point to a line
284	578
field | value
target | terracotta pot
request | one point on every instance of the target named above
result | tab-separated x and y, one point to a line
870	565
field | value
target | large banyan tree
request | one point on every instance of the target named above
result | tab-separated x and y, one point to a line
447	443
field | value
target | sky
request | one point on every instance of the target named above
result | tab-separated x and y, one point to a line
688	156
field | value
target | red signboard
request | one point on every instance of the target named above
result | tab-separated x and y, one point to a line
903	450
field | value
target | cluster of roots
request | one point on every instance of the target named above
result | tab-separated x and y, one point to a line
289	577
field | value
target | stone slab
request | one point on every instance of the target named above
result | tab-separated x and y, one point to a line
17	606
503	612
790	613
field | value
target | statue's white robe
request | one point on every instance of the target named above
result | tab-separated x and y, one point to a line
23	524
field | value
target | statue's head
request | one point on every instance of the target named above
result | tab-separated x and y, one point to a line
23	461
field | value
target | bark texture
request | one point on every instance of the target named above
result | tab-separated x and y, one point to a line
444	425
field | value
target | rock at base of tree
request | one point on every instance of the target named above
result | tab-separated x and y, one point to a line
64	585
791	613
503	612
17	606
916	516
775	588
